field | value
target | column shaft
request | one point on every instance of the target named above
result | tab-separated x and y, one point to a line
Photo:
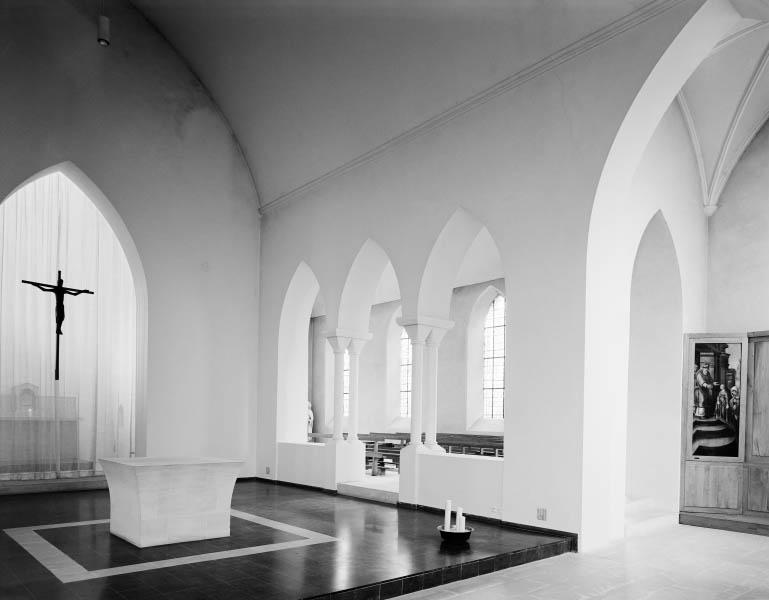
353	421
338	394
417	373
430	408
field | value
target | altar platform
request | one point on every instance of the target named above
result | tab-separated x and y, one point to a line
286	543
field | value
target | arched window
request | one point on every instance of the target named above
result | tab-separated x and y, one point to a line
405	374
346	383
494	360
59	427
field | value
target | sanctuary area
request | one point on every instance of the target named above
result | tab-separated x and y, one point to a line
337	299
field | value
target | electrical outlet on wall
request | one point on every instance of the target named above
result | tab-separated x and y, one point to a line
542	514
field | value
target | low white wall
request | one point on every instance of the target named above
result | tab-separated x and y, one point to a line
471	482
306	464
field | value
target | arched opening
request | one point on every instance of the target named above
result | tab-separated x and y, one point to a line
611	249
293	356
369	300
58	220
654	379
462	277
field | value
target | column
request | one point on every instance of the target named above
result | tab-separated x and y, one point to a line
355	347
417	334
338	345
430	405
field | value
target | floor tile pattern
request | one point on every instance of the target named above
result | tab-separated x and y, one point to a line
380	551
670	562
95	548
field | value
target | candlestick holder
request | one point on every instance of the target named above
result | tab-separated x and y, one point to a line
453	536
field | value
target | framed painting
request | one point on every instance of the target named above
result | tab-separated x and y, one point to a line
714	384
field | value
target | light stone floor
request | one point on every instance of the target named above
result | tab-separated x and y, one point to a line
668	562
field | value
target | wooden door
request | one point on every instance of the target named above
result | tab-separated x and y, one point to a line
757	451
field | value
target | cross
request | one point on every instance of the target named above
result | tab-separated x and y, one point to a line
59	291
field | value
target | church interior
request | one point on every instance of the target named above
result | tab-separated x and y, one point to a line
397	298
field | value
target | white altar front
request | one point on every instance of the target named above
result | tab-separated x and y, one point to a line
157	501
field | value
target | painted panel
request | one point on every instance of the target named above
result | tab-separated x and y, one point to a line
712	485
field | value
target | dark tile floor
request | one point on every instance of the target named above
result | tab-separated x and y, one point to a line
381	552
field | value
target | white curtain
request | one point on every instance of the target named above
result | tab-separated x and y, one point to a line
58	429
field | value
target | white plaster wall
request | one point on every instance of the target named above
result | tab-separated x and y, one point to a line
307	464
470	482
136	121
738	286
526	164
654	378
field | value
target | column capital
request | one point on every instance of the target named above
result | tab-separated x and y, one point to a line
420	329
338	343
417	332
356	345
436	337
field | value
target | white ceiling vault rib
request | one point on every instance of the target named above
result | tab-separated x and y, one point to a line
721	172
748	28
692	128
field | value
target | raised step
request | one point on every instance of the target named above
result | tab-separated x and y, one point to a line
379	491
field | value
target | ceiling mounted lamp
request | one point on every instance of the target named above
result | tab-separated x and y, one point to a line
103	36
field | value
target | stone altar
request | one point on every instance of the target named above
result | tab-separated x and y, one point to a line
162	500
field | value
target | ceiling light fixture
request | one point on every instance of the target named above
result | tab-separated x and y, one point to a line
102	35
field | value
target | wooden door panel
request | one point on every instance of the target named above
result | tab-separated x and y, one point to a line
759	436
713	486
758	489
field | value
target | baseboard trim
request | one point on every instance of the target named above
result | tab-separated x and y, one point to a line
301	486
716	521
42	486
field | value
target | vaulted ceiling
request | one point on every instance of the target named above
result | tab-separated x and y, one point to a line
726	101
312	88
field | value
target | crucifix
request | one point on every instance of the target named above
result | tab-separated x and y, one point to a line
59	291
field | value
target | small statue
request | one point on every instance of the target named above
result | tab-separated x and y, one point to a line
310	420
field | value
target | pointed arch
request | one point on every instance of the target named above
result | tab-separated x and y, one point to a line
126	241
359	292
655	346
611	248
445	262
293	355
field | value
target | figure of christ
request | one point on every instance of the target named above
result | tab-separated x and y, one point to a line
59	291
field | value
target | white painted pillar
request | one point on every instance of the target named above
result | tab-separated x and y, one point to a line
355	347
430	408
417	334
338	345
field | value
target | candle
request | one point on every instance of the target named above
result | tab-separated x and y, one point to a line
447	516
460	519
